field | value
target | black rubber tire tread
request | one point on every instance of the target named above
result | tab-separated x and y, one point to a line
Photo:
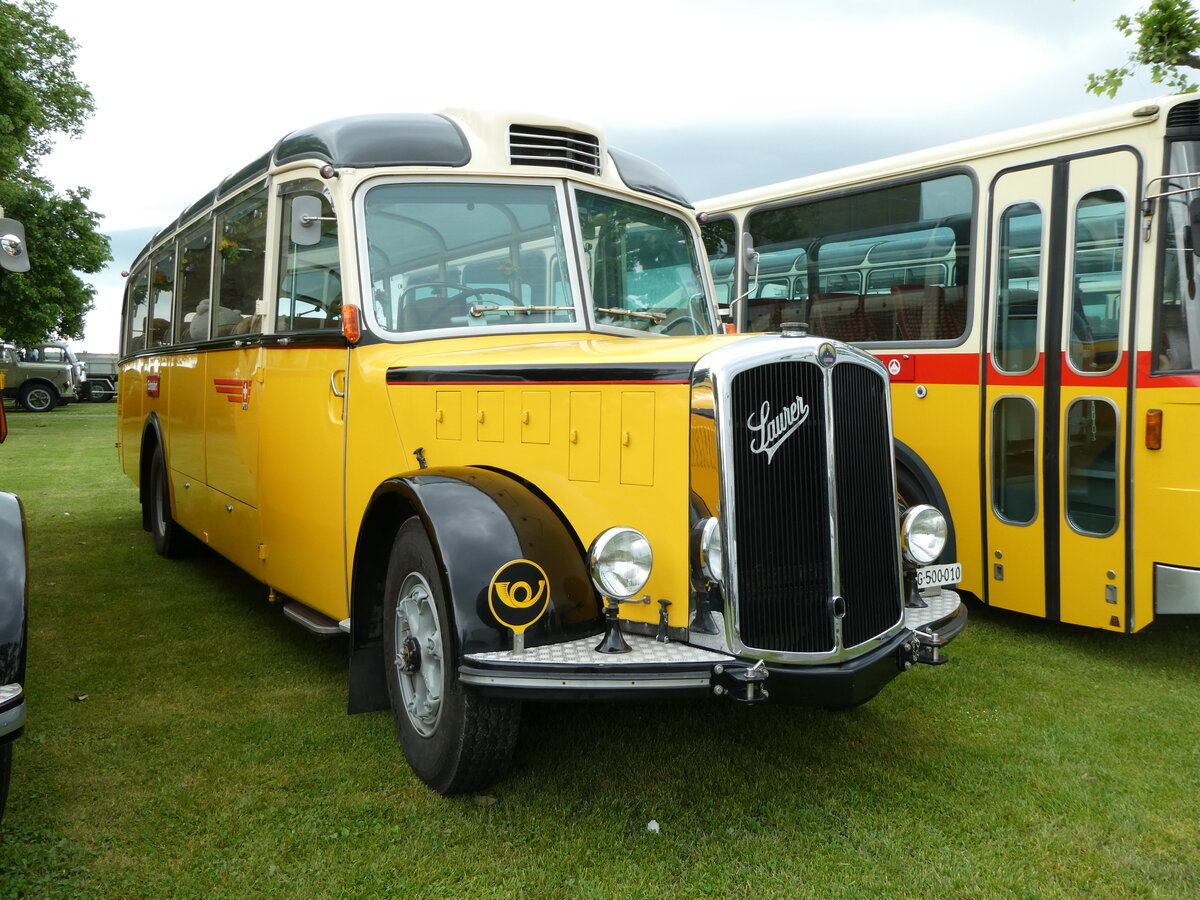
28	388
5	773
472	746
170	539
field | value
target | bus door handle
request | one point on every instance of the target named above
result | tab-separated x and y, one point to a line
333	384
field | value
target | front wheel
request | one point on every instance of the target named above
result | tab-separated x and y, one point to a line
38	397
456	742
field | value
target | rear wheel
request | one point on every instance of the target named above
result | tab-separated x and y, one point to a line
169	538
37	397
5	773
456	742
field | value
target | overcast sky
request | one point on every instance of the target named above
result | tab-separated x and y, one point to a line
723	95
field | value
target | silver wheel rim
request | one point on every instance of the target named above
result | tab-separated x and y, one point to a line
417	624
39	399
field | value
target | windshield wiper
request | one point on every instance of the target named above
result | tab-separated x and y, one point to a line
478	311
653	317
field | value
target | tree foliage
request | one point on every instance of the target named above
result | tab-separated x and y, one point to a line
1167	35
40	99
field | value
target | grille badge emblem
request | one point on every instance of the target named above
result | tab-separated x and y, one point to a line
773	431
826	355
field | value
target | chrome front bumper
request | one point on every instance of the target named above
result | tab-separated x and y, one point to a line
575	669
12	709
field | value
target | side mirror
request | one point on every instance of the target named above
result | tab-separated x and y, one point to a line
13	257
306	220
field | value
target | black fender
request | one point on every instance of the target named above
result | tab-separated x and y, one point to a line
14	590
478	521
914	475
152	436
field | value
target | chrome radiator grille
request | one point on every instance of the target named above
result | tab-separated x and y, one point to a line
814	515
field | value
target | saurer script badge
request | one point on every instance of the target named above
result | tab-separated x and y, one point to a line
519	594
770	431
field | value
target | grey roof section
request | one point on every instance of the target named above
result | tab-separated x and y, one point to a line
646	177
414	139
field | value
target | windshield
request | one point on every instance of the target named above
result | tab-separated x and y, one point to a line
642	267
466	254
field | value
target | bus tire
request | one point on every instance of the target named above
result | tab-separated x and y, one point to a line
37	396
5	773
169	538
456	742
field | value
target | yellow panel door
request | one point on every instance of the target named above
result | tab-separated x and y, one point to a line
1095	371
1018	291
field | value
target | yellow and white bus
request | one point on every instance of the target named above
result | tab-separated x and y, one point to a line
453	384
1033	295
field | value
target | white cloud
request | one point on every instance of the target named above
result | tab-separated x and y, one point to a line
187	93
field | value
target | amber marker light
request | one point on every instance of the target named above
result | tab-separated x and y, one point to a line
350	327
1154	429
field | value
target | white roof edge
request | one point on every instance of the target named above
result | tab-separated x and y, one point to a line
1043	133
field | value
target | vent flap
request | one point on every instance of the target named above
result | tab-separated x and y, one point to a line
530	145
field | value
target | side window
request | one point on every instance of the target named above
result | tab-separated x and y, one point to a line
1014	460
195	277
162	293
1092	498
137	309
720	243
1018	289
310	283
1177	323
241	237
1097	281
890	264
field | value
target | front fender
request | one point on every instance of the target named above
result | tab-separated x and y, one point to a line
478	521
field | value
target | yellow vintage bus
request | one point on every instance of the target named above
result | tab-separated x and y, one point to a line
1033	294
454	384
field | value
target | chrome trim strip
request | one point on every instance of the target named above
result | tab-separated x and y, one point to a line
555	681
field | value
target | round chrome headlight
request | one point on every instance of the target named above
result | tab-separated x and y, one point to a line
620	561
712	550
923	534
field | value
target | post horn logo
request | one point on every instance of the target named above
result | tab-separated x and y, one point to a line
519	594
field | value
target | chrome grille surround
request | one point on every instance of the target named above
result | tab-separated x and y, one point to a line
714	377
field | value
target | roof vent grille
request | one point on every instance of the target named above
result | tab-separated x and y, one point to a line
1185	115
529	145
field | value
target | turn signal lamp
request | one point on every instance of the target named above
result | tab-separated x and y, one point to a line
1154	419
351	330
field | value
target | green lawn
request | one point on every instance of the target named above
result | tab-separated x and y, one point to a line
185	740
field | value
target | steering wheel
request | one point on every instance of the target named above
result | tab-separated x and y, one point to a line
430	316
685	319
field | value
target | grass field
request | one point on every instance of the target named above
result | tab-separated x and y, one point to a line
185	740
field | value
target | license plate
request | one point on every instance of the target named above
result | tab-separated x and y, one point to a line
939	576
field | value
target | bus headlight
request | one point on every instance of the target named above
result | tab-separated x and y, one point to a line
710	550
923	534
620	561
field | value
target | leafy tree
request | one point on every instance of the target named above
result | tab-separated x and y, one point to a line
39	99
1167	33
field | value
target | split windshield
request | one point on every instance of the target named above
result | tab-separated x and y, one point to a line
473	254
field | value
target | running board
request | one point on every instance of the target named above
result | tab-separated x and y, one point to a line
317	623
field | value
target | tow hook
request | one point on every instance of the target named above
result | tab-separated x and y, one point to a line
742	684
